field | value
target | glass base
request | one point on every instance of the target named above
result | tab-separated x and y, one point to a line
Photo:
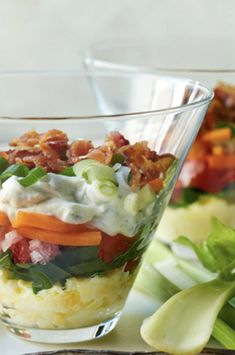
65	335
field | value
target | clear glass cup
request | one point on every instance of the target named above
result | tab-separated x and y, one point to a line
113	202
211	61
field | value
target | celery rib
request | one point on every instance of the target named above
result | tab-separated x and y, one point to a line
151	281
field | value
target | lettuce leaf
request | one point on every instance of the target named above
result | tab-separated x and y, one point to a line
217	253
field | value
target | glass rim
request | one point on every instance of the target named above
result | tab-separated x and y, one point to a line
145	42
106	73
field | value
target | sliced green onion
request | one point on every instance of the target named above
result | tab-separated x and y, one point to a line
104	190
3	164
91	170
14	170
68	171
33	176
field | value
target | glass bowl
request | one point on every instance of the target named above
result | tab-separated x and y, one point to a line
206	186
92	163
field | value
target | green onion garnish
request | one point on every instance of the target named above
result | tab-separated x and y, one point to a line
68	171
105	190
33	176
3	164
16	170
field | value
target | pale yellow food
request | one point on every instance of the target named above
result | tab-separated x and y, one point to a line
83	302
194	221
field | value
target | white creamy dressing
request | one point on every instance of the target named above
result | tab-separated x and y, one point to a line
72	200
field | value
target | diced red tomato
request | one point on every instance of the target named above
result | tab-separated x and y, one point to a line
111	247
213	180
21	252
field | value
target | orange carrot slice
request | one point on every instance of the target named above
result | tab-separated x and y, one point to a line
217	135
221	162
43	221
197	151
156	184
93	237
4	220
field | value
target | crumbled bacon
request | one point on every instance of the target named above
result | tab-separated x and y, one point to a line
226	94
102	154
28	140
78	149
47	150
116	140
54	144
52	151
221	109
145	164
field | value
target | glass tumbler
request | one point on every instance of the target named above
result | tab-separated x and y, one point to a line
92	162
206	186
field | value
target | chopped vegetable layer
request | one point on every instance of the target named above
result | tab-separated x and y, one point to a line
75	210
210	165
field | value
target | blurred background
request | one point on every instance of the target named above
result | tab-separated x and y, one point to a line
49	34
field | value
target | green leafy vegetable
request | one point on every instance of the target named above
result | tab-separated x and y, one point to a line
33	176
154	275
72	261
217	253
136	249
117	159
92	267
223	124
198	306
188	196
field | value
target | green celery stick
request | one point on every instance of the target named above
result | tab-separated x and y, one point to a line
183	325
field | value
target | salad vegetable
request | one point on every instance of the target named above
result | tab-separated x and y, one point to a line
74	217
207	180
209	167
184	324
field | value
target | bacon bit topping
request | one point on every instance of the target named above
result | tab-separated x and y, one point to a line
116	140
54	144
103	154
78	149
222	107
145	164
29	140
52	151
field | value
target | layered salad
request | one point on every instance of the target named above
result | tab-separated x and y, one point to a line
74	222
206	186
